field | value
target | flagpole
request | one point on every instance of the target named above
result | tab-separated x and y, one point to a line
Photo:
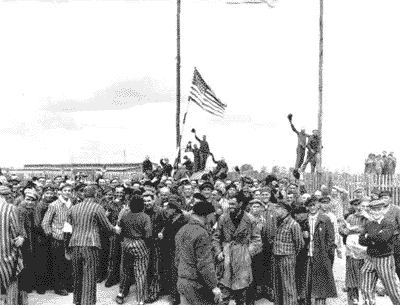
178	73
321	62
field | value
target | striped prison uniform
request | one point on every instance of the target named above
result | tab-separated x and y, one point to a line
135	230
379	262
86	219
11	263
53	225
288	243
354	259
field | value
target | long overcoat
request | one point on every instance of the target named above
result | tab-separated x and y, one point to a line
322	280
239	245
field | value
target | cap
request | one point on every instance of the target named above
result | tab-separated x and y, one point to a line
355	202
255	201
206	185
48	188
325	200
203	208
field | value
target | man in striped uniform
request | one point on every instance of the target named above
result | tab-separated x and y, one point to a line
287	245
54	223
378	238
10	255
86	219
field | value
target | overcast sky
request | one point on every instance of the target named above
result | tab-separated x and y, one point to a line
82	81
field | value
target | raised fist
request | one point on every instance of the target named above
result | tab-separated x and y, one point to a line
237	169
193	130
290	116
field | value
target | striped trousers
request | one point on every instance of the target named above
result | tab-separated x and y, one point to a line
135	256
384	269
285	280
13	295
84	263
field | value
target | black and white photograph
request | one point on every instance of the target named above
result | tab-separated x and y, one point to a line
199	152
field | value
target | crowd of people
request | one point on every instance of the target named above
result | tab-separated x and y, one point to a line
384	164
199	241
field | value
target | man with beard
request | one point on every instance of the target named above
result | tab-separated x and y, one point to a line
113	209
174	220
194	261
54	224
287	245
42	257
155	214
235	241
378	237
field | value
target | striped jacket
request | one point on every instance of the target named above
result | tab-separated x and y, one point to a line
86	218
10	256
289	238
54	219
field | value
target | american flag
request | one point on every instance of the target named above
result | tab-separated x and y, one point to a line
202	95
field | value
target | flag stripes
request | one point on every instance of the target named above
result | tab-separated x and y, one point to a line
202	95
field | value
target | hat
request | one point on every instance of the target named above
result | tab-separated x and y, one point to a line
292	183
206	185
203	208
31	194
377	204
64	185
231	185
4	190
255	201
325	200
146	183
385	193
355	202
286	206
311	201
48	188
270	178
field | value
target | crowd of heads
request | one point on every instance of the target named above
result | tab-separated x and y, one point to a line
380	164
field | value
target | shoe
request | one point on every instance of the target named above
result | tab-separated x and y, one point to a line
119	299
62	292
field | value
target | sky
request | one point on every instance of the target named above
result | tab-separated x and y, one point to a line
84	81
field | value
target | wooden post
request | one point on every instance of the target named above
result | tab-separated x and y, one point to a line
321	62
178	71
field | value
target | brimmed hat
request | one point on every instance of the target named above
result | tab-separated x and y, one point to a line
206	185
355	202
203	208
325	200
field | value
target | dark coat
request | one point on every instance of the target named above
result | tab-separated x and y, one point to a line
193	257
323	283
